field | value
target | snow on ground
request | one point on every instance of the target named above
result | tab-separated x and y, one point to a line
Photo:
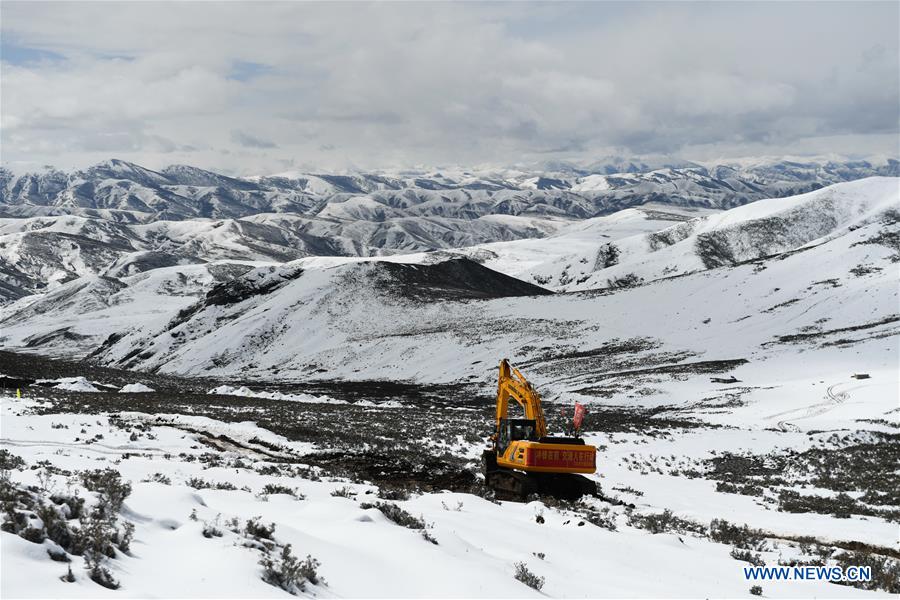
629	461
244	391
72	384
136	388
229	390
362	553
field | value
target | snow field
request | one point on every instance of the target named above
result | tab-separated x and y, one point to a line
362	553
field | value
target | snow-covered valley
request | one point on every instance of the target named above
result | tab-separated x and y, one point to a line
740	368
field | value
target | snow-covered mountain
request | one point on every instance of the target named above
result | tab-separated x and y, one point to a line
118	218
630	247
39	253
120	190
737	285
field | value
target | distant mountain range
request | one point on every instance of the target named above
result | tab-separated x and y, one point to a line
126	192
117	219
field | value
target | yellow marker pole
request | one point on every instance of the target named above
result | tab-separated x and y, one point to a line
18	393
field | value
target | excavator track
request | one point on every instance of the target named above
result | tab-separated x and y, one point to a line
511	485
517	486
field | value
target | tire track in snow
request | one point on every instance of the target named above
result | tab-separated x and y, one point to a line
832	399
98	448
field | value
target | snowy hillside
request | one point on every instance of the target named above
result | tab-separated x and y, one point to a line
73	318
631	247
770	274
739	369
39	253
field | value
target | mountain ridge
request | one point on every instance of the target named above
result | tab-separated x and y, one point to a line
180	192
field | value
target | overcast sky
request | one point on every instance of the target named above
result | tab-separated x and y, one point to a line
266	87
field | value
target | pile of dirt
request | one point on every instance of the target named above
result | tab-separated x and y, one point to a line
454	279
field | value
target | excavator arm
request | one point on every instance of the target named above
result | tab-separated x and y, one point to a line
512	384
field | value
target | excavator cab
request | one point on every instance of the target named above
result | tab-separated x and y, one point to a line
512	430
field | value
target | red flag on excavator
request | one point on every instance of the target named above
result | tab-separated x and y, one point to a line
579	415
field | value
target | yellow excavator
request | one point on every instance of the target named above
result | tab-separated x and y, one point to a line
523	459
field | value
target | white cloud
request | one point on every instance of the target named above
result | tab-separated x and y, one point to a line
256	86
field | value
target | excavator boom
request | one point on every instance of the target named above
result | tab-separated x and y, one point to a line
512	384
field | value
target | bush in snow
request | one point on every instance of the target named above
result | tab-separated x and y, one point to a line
45	477
274	488
211	530
426	535
343	492
69	577
654	522
33	534
738	536
30	514
109	486
71	504
885	570
398	493
663	522
9	462
731	488
95	539
396	514
159	478
9	498
9	493
601	517
199	483
234	525
99	534
747	556
122	538
626	281
288	572
527	577
55	525
255	529
756	590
